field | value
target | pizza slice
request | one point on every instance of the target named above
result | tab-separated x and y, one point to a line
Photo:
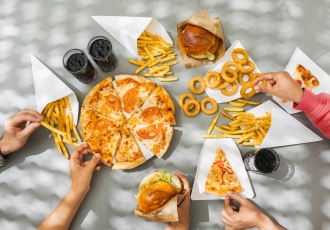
103	99
129	154
308	80
158	108
133	91
106	145
95	124
221	177
155	137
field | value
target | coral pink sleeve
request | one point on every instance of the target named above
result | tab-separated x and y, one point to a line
317	109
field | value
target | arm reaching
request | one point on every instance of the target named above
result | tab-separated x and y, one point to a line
81	174
16	131
183	209
316	107
249	216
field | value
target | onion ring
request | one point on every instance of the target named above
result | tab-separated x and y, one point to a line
240	60
240	78
192	85
214	105
245	87
184	96
225	76
254	76
231	63
248	70
232	91
212	75
193	103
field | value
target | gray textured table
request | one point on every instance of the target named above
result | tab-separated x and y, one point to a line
36	178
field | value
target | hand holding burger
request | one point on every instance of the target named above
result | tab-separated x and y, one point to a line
157	189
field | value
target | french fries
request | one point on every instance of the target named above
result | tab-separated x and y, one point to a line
155	50
58	118
248	129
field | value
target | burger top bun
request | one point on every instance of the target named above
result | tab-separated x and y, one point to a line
196	41
156	189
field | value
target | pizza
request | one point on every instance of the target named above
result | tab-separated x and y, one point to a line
133	91
307	79
110	128
103	99
221	177
158	108
155	137
129	154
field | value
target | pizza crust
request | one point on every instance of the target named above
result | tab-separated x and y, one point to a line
308	80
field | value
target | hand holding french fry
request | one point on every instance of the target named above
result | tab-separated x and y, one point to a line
16	132
58	118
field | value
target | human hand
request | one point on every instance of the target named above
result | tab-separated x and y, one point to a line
81	172
280	84
183	209
249	216
16	131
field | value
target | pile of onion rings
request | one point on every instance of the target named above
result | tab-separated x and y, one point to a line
187	102
234	72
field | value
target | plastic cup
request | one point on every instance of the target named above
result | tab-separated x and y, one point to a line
261	161
100	49
75	61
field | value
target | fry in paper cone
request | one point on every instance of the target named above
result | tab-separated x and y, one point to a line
160	193
209	49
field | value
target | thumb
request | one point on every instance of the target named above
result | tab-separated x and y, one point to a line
237	197
264	89
93	162
29	129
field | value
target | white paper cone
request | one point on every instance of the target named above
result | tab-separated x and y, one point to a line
285	129
48	87
298	57
126	30
205	162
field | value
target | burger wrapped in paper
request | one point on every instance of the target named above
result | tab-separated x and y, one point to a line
159	195
198	42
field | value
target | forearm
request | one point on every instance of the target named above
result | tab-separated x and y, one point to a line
4	147
267	224
317	109
62	215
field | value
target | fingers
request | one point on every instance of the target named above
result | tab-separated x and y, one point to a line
225	215
24	116
29	129
78	153
236	197
186	185
93	162
227	207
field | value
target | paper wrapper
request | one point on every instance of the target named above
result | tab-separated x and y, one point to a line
285	129
166	213
299	57
216	93
205	162
126	30
48	88
202	19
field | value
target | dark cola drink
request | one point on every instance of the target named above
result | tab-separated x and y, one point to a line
77	63
261	161
100	49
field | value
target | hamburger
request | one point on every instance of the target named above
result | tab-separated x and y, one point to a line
198	43
157	189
